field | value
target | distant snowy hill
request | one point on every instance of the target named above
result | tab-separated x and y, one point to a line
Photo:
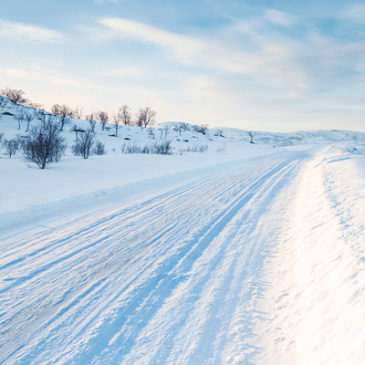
184	137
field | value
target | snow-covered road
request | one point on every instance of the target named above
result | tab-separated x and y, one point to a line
197	274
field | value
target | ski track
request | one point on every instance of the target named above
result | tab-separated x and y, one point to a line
174	279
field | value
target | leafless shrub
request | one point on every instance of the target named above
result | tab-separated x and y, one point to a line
203	128
179	127
83	146
133	148
44	144
99	148
11	146
196	148
163	148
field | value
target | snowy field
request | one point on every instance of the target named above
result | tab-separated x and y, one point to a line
243	254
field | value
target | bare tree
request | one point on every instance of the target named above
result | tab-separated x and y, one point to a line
41	115
36	105
20	118
145	117
92	121
11	146
203	128
77	112
84	144
64	113
44	144
44	117
29	116
15	95
185	127
139	119
125	115
77	130
103	118
117	121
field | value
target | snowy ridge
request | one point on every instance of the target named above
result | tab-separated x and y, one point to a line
216	137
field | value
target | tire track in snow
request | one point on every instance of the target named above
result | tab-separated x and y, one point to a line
237	184
146	206
150	282
70	255
227	238
164	282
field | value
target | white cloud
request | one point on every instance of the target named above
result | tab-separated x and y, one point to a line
13	30
181	47
355	12
273	62
278	17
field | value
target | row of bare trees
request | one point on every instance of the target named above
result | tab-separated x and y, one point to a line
144	118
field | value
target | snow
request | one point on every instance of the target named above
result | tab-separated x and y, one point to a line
243	254
318	306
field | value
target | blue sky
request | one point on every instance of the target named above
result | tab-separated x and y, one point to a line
265	65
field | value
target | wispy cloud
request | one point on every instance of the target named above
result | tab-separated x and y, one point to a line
14	30
272	58
279	18
354	12
289	63
182	47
